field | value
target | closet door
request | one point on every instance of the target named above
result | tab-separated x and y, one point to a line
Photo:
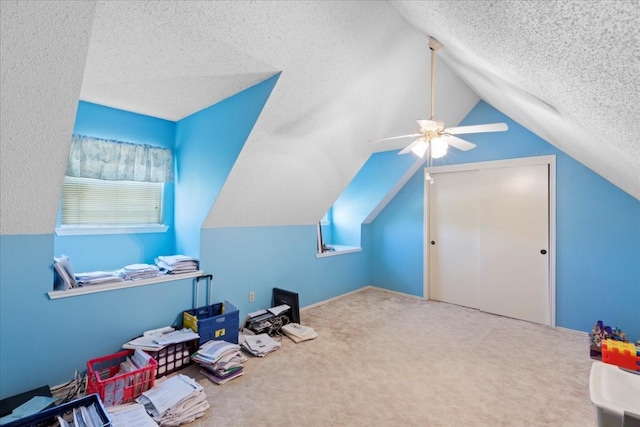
514	243
488	240
453	238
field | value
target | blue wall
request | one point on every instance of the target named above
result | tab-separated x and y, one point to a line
397	249
598	232
207	146
68	332
244	259
373	182
44	341
87	252
598	267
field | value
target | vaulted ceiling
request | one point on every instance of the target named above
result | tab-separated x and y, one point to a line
351	71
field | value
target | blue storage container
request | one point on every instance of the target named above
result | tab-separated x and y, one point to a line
219	321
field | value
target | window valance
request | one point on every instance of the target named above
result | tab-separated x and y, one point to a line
97	158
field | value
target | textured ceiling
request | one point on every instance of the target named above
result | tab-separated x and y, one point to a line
351	71
567	70
44	47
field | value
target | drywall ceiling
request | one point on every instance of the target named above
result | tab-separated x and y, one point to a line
565	70
44	48
351	71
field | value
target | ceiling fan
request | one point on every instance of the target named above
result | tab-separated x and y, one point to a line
433	137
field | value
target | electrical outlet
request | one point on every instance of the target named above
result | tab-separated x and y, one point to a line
252	296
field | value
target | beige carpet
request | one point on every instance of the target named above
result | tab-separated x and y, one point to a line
383	359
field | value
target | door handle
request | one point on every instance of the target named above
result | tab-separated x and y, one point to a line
543	252
433	242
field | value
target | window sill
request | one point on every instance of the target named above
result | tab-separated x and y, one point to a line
85	231
339	250
92	289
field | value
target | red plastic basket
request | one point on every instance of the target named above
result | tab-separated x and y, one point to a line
116	389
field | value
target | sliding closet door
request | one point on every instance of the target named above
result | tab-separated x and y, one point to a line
453	239
488	240
514	243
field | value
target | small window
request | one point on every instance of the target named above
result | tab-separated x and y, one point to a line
88	201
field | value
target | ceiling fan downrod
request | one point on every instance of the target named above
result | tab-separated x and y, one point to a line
434	46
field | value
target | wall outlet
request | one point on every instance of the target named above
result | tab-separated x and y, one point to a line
252	296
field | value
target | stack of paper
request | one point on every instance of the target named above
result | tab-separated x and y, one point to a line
130	415
157	339
139	271
82	416
148	339
298	333
98	278
260	345
182	335
176	264
138	360
65	277
175	400
220	361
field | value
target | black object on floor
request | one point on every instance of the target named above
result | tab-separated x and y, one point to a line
281	296
10	403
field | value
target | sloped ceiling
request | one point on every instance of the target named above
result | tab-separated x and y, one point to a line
566	70
354	71
351	71
44	47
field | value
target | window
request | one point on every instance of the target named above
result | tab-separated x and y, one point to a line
97	202
114	187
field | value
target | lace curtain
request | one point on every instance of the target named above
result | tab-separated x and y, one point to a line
118	161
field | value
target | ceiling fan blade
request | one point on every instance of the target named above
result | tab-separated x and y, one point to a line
413	135
490	127
458	143
408	148
428	124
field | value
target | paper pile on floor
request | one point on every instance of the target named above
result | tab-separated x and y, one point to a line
220	361
299	333
260	345
174	401
130	415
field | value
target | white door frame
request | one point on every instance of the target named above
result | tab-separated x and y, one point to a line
524	161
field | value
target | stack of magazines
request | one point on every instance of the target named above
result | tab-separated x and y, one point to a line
139	271
299	333
220	361
260	345
174	401
157	339
176	264
97	278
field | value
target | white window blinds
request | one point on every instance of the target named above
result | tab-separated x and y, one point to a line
87	201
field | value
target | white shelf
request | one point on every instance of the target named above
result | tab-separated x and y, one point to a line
339	250
92	289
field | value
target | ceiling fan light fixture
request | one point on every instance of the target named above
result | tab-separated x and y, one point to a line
439	148
435	137
420	149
